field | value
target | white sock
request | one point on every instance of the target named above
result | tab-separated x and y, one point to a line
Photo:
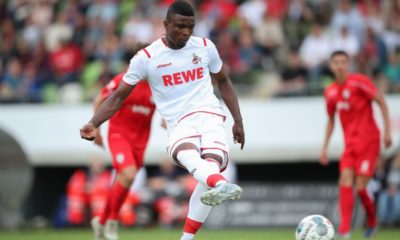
198	167
187	236
197	210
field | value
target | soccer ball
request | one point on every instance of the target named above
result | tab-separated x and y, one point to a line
315	227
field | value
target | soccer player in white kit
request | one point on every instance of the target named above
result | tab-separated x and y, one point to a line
179	68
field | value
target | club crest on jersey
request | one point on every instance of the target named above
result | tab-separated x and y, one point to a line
346	94
196	59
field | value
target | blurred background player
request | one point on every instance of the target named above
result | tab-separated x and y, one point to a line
352	95
178	68
128	134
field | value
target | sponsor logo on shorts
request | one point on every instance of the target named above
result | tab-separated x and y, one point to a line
120	158
193	171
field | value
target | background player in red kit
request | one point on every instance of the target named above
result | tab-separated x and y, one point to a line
351	95
128	134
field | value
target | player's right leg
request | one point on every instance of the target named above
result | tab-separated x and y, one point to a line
187	155
346	201
206	172
126	167
225	190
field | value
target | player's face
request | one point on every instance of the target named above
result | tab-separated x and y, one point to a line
178	30
340	65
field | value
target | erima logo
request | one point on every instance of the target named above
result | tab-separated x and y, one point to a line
193	171
183	77
164	65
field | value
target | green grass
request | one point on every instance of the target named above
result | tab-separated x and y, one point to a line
157	234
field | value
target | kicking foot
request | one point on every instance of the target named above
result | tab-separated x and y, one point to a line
111	230
370	232
98	229
220	193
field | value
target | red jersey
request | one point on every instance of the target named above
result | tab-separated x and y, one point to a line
133	119
353	101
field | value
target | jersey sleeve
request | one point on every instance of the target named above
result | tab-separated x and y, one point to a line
137	69
367	87
215	63
108	89
330	104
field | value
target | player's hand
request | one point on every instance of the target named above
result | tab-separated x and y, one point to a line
88	132
387	138
238	133
323	158
98	140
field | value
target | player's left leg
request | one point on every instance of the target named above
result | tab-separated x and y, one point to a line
365	170
368	203
197	214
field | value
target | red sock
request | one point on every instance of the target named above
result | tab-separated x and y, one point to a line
107	208
346	202
118	198
213	179
369	207
191	226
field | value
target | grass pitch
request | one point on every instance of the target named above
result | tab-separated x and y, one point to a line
158	234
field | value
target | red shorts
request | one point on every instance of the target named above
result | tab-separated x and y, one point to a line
124	153
361	157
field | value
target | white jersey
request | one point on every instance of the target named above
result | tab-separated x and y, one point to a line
179	79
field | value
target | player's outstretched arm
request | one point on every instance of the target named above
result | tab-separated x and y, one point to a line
98	140
106	110
323	159
228	94
379	98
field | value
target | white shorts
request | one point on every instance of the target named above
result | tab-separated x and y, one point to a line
204	130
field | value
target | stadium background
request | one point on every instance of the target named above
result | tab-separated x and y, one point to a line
56	55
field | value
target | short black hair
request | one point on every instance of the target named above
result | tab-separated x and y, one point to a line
339	52
180	7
